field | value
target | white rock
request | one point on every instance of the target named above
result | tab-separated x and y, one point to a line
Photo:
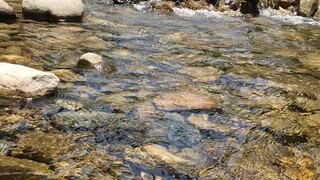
89	61
71	10
163	154
17	80
6	11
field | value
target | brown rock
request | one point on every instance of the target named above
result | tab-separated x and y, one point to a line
162	6
183	100
163	154
42	147
201	74
307	7
14	168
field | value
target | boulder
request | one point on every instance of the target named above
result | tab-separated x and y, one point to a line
317	14
53	10
308	8
90	61
162	5
17	80
6	12
249	7
183	100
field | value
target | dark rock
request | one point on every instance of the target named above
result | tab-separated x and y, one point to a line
7	13
249	7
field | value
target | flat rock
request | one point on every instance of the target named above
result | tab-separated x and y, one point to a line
6	11
163	154
71	10
201	74
183	100
17	80
84	120
42	147
14	168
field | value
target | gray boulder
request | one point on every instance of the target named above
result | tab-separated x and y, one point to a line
6	12
53	10
308	8
17	80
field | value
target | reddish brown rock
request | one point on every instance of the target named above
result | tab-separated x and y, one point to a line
183	100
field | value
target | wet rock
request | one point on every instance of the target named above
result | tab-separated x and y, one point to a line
71	10
195	4
6	147
201	74
17	80
6	12
162	5
248	7
90	61
317	14
42	147
67	75
14	168
163	154
82	120
307	7
183	100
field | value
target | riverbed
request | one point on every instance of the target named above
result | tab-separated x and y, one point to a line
262	75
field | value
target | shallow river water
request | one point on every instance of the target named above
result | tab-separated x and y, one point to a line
262	73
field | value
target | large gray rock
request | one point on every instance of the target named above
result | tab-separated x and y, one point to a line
17	80
90	61
308	7
69	10
6	11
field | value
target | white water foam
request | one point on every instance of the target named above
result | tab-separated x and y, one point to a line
206	13
286	17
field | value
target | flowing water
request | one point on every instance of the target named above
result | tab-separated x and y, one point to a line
263	73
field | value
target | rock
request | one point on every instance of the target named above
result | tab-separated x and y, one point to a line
71	10
183	100
17	80
42	147
163	154
6	12
307	7
247	7
14	168
73	120
195	4
201	74
317	14
90	61
162	5
67	75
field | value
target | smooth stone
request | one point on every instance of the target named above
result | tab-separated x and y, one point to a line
183	100
17	80
163	154
70	10
90	61
6	12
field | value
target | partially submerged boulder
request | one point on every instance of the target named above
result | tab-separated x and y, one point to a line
6	12
53	10
18	80
308	7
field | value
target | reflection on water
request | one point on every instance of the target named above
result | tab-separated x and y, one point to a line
262	75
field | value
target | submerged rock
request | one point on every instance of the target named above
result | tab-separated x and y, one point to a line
6	12
71	10
183	100
201	74
84	120
17	80
307	7
163	154
42	147
14	168
67	75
